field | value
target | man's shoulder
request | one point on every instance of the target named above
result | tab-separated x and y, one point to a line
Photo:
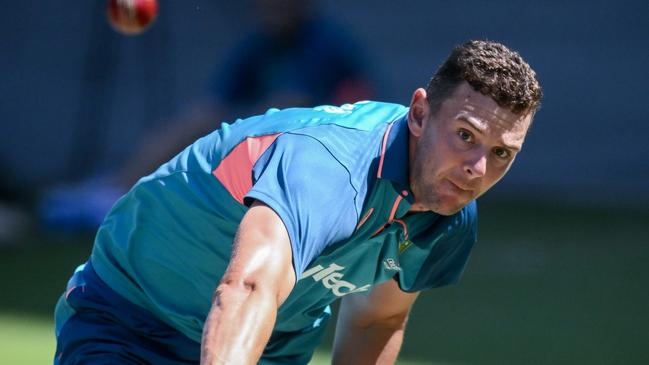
338	128
363	115
348	127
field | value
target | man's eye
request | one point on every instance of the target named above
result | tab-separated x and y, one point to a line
465	135
501	152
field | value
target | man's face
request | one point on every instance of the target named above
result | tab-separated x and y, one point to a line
462	150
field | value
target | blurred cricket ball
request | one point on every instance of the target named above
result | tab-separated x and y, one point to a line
131	16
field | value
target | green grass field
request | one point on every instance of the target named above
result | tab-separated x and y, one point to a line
545	285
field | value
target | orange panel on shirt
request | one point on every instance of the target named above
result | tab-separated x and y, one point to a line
235	170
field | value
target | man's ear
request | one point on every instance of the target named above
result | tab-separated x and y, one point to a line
418	112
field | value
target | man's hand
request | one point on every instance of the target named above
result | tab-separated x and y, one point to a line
370	327
258	279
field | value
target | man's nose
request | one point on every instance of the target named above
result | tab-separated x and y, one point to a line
476	166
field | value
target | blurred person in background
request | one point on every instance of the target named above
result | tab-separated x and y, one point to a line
14	219
293	57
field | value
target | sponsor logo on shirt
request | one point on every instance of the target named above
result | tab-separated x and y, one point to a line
332	279
391	264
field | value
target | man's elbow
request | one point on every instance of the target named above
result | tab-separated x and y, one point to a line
234	289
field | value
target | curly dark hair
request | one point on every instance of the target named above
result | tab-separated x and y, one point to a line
492	69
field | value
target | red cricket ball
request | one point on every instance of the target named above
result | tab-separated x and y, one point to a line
131	16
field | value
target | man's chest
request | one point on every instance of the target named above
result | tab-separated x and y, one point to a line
369	257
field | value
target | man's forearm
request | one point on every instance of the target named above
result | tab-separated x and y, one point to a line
258	279
238	326
376	344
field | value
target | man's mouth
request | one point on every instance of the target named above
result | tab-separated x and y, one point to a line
460	187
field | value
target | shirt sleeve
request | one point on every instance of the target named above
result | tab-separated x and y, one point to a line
439	255
311	192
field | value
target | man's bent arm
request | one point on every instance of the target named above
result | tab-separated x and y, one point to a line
370	327
258	279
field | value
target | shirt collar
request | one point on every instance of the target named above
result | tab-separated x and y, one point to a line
395	155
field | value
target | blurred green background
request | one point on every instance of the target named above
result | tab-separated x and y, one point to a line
548	283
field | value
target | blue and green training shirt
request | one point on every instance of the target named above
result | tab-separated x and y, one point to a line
337	177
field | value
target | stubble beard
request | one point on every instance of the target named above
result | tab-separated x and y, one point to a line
427	198
424	188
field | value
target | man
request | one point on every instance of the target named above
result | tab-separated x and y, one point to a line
232	252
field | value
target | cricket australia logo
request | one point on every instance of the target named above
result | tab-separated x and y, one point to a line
332	279
391	264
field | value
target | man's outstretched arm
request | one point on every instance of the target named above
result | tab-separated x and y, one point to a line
370	327
258	279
